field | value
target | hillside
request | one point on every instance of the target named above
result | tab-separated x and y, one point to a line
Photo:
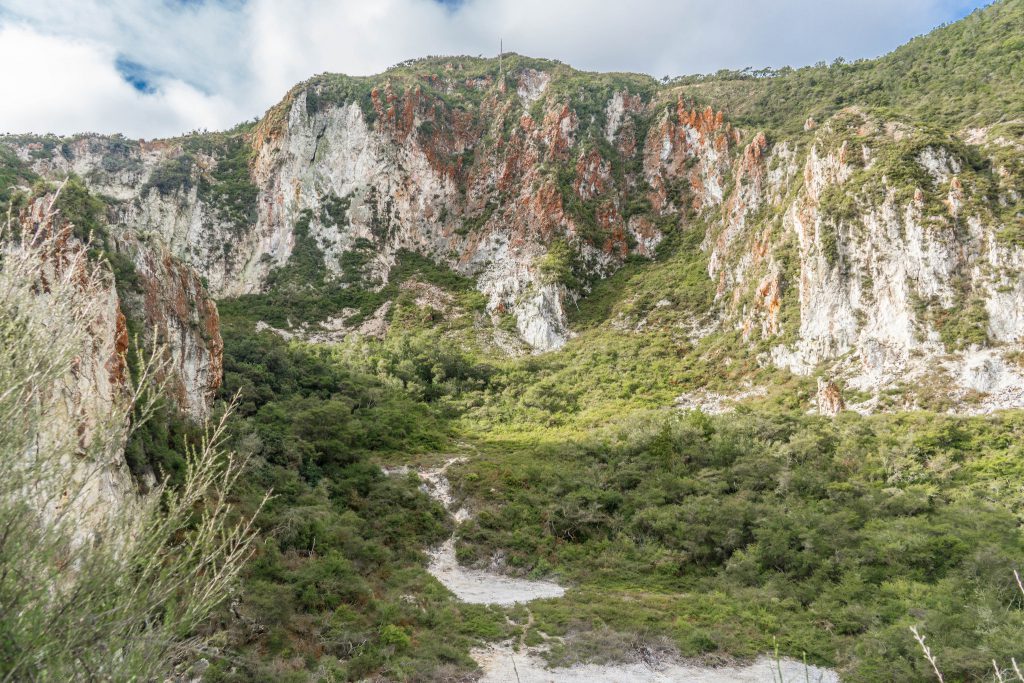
961	75
736	360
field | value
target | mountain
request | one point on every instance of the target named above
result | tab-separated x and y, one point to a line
875	243
531	266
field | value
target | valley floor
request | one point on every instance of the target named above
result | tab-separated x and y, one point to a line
502	664
512	661
538	515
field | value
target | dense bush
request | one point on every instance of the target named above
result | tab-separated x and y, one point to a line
13	172
342	544
831	536
967	73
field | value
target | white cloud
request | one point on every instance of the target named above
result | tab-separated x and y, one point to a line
61	85
214	63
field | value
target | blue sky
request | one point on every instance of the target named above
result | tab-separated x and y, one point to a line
160	67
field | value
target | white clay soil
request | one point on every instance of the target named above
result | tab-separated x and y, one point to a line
502	664
476	586
484	587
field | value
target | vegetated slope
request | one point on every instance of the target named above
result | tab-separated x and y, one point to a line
723	534
863	235
721	240
965	74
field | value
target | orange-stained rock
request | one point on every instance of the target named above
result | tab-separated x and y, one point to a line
829	398
175	310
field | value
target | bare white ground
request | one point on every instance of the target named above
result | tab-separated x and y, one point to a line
484	587
475	585
502	665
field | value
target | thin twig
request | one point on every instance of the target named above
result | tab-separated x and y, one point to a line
927	654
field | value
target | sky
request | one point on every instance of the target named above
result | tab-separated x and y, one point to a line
156	68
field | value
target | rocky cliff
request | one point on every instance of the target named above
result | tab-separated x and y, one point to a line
892	244
480	175
157	301
68	373
75	303
170	303
868	246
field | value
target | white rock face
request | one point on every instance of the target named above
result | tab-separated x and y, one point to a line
874	260
101	487
397	200
161	235
543	324
532	84
614	113
195	234
1004	300
473	189
193	230
872	282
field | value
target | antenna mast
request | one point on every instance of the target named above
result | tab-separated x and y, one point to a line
501	54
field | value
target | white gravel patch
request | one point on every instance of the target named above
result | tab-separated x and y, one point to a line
483	587
502	665
477	586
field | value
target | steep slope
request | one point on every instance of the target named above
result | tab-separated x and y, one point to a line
150	311
64	358
855	223
895	240
74	303
966	74
385	248
437	158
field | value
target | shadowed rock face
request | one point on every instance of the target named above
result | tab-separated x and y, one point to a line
175	310
167	299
